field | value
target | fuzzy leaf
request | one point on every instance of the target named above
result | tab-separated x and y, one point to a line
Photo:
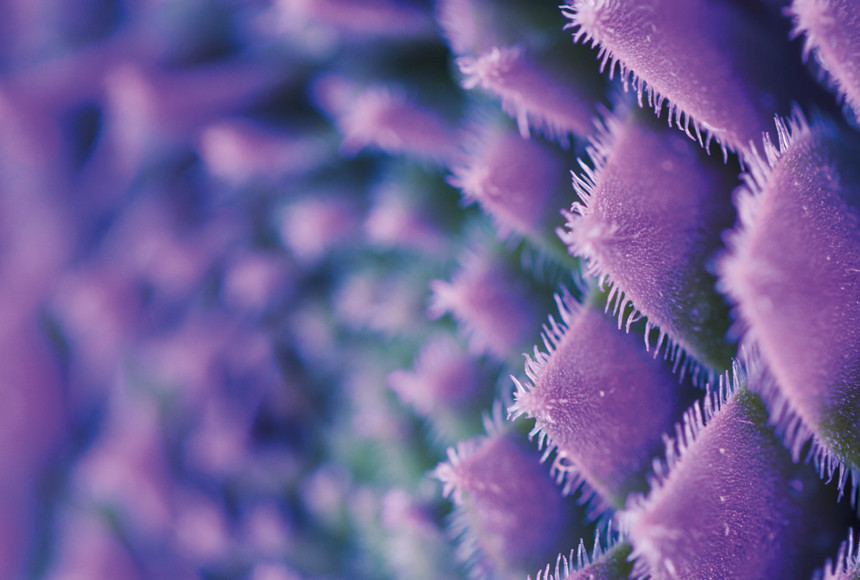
511	515
717	67
600	400
519	183
652	211
443	378
609	563
493	308
794	273
387	119
729	503
314	225
554	101
831	30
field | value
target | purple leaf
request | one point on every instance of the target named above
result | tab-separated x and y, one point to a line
832	32
397	221
847	564
556	101
364	18
600	401
794	273
717	68
386	118
510	514
314	225
652	211
474	27
729	502
385	301
608	563
443	378
494	309
418	547
518	182
239	151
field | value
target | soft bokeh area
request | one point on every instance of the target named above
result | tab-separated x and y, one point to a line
205	283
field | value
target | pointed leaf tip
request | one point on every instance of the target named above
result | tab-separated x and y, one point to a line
831	30
443	378
610	562
728	502
510	514
495	312
652	211
716	68
540	96
798	308
603	429
518	182
387	119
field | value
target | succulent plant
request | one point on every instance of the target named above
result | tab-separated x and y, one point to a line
425	289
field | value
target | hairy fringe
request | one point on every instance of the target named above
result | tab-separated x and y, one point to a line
789	423
567	565
702	133
811	42
562	469
694	421
847	562
674	348
795	432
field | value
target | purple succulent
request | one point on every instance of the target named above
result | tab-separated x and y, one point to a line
387	118
490	303
222	223
314	225
651	212
831	31
695	54
444	378
518	182
755	515
403	222
601	404
556	103
239	152
604	563
501	491
799	215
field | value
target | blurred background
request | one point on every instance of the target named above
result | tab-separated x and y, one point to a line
220	221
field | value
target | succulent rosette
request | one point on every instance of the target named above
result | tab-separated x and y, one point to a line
266	266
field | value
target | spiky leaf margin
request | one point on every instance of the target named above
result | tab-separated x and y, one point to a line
787	422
